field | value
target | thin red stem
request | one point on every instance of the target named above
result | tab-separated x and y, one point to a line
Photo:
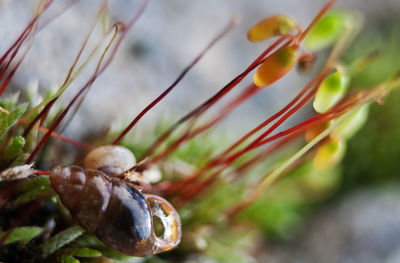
26	33
196	189
22	36
268	121
11	74
42	172
28	211
334	113
59	13
316	19
5	68
55	124
43	113
211	101
240	171
299	105
293	132
89	83
247	93
60	137
220	158
170	88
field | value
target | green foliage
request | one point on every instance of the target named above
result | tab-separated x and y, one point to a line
378	144
29	196
70	255
208	208
22	234
281	212
386	42
279	220
197	151
90	240
8	120
82	252
15	150
61	239
68	259
120	258
234	246
31	189
34	182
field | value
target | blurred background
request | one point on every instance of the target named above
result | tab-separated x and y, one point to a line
359	218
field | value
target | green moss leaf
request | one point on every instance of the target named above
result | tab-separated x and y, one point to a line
15	151
120	258
84	252
8	120
61	239
68	259
16	146
24	234
31	183
30	196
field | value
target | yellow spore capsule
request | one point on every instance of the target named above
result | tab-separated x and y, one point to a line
313	132
329	154
276	66
330	91
270	27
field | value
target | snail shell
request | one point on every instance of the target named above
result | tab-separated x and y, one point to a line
111	159
119	214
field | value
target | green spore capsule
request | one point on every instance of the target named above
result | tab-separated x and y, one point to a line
352	123
326	31
330	91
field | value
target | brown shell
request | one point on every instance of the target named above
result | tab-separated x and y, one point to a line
116	212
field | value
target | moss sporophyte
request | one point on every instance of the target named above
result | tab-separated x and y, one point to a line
126	199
